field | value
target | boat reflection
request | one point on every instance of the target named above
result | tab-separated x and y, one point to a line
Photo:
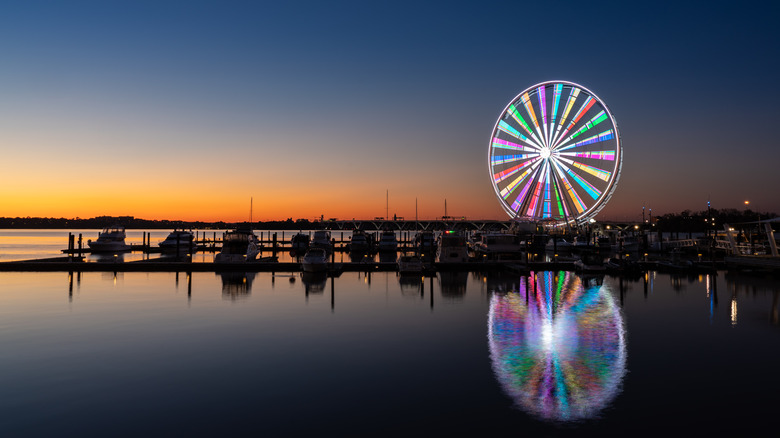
453	284
236	285
314	282
558	346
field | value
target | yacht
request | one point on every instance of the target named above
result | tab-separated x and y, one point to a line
494	246
179	240
239	245
315	260
111	239
359	242
321	239
424	242
299	243
388	241
409	264
558	243
452	248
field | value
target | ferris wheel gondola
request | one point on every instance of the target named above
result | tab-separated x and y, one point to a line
555	154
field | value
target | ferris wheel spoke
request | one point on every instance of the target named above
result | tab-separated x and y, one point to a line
589	188
563	211
538	190
569	104
543	109
594	155
507	191
509	129
595	120
575	198
595	171
604	136
504	159
504	174
581	112
513	111
530	109
505	144
521	198
557	89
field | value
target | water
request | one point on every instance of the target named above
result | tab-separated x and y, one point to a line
375	354
159	354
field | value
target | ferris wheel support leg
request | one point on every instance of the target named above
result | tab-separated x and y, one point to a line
771	237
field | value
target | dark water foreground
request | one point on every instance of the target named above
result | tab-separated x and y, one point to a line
257	354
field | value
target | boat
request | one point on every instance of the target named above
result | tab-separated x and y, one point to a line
179	240
299	243
498	246
321	239
626	243
388	241
315	260
359	242
424	242
625	266
452	248
239	245
409	265
581	266
111	239
558	243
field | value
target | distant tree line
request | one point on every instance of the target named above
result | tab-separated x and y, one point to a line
685	221
137	223
702	221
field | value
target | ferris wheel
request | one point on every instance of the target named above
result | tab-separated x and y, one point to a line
555	154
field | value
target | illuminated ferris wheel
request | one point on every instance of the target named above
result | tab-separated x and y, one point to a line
555	154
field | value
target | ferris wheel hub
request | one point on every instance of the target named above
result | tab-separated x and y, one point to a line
545	153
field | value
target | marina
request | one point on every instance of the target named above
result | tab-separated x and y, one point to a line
281	251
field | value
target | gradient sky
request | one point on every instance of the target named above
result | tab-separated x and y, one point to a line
187	109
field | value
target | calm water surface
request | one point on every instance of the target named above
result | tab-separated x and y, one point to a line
161	354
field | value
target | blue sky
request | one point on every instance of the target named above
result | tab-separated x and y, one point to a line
320	102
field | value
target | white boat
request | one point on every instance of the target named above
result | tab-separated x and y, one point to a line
239	245
299	243
625	243
452	248
495	246
111	239
315	260
321	239
559	243
181	240
409	264
424	242
388	241
359	242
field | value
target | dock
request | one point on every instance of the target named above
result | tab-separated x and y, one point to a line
74	264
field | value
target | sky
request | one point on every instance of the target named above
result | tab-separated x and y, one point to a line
193	110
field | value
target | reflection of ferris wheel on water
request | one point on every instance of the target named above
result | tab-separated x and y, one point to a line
555	154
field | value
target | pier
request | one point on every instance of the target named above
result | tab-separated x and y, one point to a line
627	251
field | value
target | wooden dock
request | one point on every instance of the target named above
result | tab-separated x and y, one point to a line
74	264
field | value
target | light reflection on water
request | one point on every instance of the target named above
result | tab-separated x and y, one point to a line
558	346
205	353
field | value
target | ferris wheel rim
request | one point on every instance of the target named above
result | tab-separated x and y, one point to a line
606	193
